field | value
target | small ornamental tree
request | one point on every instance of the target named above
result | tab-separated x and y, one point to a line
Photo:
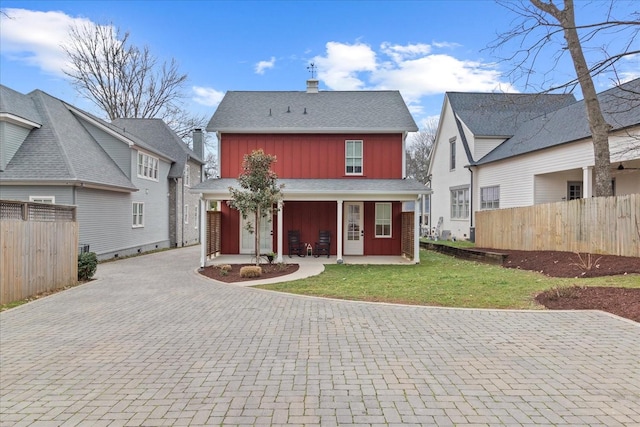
260	192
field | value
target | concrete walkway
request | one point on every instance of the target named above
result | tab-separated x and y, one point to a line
151	342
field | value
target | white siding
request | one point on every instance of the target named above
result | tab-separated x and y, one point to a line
443	179
482	146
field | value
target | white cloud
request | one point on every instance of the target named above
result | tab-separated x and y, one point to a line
413	69
340	69
207	96
264	65
400	53
36	38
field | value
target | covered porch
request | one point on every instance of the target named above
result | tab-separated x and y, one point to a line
364	218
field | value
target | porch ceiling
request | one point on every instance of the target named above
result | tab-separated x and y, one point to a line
326	189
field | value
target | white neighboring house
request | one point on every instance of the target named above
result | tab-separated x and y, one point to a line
496	150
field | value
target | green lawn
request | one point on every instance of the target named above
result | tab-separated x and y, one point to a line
439	280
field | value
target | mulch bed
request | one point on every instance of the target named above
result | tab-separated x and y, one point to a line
233	275
623	302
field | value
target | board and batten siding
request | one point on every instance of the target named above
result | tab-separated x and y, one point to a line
118	150
11	138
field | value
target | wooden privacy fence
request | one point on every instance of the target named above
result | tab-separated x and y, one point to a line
214	228
601	225
407	234
39	248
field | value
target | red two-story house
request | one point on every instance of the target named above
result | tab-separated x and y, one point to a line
340	156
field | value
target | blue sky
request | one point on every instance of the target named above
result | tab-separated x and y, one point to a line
422	48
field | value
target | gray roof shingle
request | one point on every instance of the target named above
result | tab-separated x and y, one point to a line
157	134
12	102
325	111
620	107
500	114
62	150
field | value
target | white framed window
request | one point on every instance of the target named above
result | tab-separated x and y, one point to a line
490	197
574	190
43	199
383	219
460	203
138	215
353	157
185	214
147	166
187	175
452	153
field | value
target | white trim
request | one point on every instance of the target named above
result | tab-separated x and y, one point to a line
153	161
375	221
134	223
361	157
185	214
49	199
17	120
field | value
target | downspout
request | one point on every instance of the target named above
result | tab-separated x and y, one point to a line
471	199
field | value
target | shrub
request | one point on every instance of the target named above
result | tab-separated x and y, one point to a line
251	271
224	269
87	265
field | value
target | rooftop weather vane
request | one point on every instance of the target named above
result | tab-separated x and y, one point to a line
312	68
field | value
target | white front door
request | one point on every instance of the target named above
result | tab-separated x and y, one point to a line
247	239
353	228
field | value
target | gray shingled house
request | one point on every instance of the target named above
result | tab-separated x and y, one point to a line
122	184
497	150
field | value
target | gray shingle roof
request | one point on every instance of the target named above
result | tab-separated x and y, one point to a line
326	111
17	104
500	114
620	107
157	134
62	151
301	187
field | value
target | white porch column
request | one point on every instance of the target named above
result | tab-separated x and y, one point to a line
339	232
587	182
416	231
280	231
203	233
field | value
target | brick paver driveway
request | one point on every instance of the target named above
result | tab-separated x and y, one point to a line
152	343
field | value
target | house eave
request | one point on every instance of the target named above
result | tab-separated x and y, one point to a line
69	182
311	130
17	120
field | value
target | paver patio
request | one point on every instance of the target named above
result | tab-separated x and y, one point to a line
151	342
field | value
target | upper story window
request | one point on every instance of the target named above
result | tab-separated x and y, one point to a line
460	203
147	166
353	157
187	175
452	153
383	219
490	197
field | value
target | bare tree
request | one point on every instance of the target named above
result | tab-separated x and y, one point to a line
538	32
125	81
419	151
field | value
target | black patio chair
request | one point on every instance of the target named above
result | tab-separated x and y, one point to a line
296	246
323	245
